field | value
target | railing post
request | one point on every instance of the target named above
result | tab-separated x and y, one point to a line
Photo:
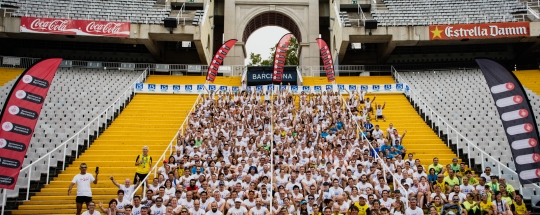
482	160
457	145
4	199
469	154
447	136
97	135
48	168
64	157
107	115
29	179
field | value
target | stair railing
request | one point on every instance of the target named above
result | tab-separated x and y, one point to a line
169	149
386	169
91	126
465	143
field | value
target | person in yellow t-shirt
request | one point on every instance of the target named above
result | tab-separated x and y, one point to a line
451	179
437	166
518	206
362	206
143	163
470	205
445	189
485	205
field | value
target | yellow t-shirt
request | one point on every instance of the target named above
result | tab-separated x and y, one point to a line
442	185
451	182
144	167
469	206
520	209
362	209
488	206
437	207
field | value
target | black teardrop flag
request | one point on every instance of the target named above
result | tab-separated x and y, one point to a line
517	118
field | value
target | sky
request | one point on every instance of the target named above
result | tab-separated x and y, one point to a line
261	40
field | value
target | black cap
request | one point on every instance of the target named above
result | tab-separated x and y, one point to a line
326	184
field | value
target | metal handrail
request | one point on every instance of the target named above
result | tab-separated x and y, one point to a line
534	13
376	155
180	14
169	147
121	99
432	113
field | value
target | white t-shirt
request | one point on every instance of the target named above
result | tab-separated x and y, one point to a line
210	212
417	211
127	191
197	212
88	213
241	211
256	211
83	184
154	210
122	204
136	210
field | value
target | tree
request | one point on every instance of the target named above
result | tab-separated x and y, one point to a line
291	59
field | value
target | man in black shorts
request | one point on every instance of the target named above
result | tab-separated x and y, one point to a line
84	192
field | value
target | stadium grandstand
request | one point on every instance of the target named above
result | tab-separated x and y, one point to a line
410	125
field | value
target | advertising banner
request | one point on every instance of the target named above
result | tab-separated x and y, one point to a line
517	118
218	60
326	56
479	31
74	27
280	57
205	88
20	115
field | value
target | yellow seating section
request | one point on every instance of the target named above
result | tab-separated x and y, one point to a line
149	120
420	139
167	79
529	79
8	74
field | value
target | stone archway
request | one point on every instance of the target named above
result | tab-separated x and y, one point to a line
271	19
301	17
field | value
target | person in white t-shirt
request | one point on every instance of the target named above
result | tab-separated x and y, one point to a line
238	209
158	208
214	209
413	209
197	210
122	202
126	187
84	192
91	209
258	209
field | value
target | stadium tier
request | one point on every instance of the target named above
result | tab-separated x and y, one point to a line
466	104
134	11
443	12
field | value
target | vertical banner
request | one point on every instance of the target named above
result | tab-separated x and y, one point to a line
280	57
218	59
20	115
326	56
517	118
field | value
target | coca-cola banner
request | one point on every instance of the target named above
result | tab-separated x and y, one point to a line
326	56
218	59
517	118
280	57
74	27
20	115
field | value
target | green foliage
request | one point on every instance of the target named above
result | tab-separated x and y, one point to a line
291	60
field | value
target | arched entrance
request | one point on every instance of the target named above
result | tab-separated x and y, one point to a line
300	17
271	19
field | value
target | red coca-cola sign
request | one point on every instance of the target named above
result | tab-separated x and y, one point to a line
74	27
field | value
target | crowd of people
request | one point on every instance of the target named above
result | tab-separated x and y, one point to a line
260	153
